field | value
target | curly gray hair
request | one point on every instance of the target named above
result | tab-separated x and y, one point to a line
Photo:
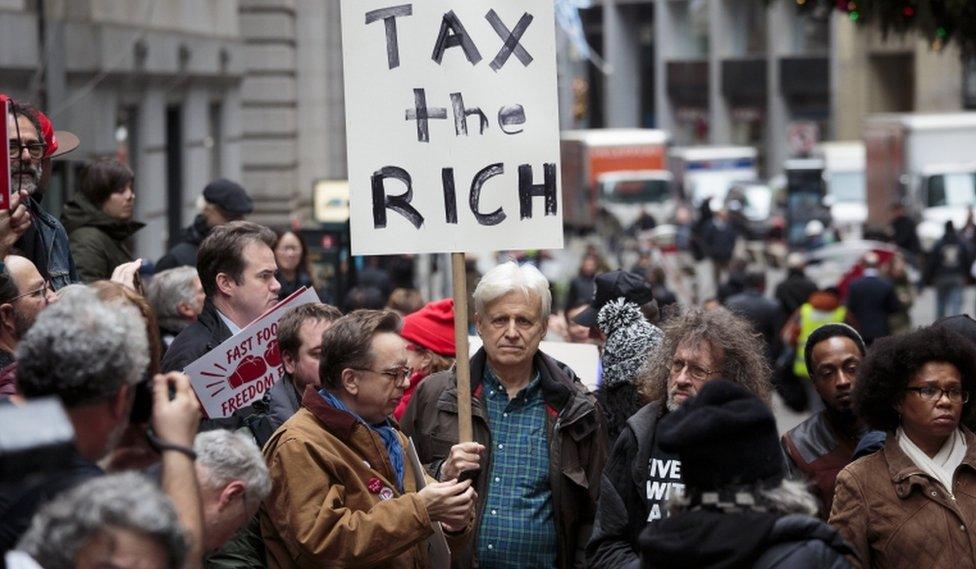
743	362
167	291
227	456
82	350
128	501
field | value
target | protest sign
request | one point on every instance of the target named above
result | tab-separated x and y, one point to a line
241	369
452	125
4	158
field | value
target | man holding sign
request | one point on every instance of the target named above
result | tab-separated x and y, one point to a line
544	438
343	493
237	268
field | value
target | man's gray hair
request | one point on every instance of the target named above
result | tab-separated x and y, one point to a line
167	291
62	527
82	350
510	277
227	456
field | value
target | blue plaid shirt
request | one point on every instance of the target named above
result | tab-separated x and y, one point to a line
517	527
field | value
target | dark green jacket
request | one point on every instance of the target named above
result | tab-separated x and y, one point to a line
97	241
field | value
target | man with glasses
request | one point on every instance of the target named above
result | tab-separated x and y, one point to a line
699	346
342	491
23	294
820	447
33	144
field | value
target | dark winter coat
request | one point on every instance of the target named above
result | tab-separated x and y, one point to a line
621	514
574	431
719	241
871	300
763	314
748	540
208	332
271	411
184	253
794	291
97	241
948	262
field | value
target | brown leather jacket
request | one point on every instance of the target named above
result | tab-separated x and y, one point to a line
328	471
574	429
895	516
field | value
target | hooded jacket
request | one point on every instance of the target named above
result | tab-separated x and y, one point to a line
97	241
747	540
576	442
184	253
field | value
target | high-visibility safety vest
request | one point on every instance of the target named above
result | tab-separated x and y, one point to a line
810	320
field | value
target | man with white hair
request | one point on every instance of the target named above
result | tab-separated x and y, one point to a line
233	481
544	443
177	297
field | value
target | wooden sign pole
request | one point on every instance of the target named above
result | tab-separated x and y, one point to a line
462	368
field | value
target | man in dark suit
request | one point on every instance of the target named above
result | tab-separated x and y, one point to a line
871	299
763	313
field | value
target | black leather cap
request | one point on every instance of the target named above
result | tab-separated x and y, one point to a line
228	196
615	284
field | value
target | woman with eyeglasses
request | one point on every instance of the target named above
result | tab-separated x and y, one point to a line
913	503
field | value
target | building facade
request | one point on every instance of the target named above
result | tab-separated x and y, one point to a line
742	72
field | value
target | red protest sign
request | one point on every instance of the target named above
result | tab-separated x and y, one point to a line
241	369
5	158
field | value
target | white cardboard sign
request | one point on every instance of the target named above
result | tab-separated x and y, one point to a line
584	359
452	125
240	370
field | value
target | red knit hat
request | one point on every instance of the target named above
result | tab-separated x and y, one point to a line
432	327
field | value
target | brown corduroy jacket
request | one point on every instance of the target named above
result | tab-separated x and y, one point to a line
329	475
895	516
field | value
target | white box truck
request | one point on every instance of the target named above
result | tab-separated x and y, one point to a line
925	161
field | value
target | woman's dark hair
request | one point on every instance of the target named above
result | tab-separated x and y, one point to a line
103	178
893	361
303	259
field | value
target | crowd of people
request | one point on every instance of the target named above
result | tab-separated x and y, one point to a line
355	458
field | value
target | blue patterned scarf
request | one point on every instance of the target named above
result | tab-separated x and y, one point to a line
387	433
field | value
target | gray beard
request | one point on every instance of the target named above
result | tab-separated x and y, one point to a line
671	404
29	185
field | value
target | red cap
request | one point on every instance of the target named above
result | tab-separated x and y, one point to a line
432	327
53	140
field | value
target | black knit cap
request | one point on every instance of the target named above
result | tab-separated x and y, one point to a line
725	436
228	196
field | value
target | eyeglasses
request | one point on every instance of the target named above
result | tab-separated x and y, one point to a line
397	375
39	292
695	371
933	394
35	149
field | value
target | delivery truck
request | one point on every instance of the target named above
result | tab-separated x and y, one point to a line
613	172
925	162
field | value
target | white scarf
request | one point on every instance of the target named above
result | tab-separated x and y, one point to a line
942	467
